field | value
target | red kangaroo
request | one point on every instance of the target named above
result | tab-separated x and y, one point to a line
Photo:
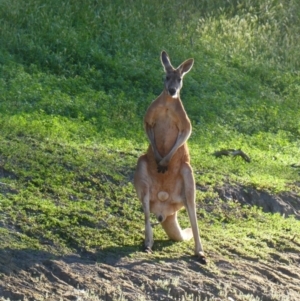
164	179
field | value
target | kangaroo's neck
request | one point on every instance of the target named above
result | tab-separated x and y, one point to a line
169	98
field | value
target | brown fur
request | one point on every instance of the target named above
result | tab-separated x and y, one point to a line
164	179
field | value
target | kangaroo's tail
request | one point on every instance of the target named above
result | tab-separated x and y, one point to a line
173	229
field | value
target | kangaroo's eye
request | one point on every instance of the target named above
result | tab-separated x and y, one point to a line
167	77
179	79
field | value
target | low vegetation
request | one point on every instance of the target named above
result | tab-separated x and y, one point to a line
76	78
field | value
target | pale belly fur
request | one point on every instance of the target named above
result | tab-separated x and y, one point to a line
164	204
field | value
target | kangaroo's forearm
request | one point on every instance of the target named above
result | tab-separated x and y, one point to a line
151	136
181	139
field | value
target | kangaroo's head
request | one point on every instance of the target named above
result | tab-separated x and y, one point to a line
173	79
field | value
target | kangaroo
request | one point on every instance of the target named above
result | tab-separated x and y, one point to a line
164	179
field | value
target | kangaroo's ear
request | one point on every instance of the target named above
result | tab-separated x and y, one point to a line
166	62
186	66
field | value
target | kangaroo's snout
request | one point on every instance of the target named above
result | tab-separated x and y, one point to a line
172	91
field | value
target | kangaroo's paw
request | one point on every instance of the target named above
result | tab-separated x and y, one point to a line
147	249
201	258
161	168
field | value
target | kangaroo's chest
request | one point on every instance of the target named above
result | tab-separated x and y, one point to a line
165	130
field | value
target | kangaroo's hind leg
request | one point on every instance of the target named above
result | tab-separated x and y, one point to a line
190	204
142	183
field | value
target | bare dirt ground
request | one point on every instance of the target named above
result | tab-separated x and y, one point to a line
34	275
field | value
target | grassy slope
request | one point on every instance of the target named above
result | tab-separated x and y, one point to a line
76	78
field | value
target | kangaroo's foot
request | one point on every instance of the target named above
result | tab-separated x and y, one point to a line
147	249
201	258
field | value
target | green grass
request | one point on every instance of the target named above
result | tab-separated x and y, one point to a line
76	79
